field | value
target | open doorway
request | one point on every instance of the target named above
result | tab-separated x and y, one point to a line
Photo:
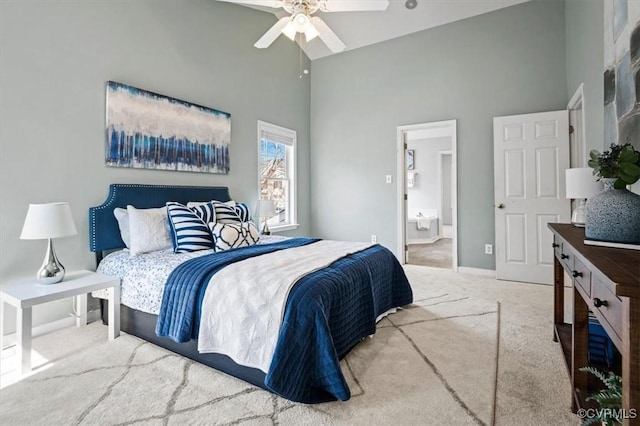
428	193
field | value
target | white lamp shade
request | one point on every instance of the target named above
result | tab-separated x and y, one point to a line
290	30
265	208
51	220
581	183
311	32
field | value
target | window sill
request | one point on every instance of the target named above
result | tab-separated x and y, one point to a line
276	229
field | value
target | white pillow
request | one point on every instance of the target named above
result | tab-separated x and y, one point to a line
233	235
123	223
148	230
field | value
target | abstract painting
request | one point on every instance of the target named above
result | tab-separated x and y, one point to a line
146	130
622	72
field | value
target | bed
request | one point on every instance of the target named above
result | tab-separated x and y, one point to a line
325	313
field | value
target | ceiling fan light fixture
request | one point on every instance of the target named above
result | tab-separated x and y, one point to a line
311	32
301	21
290	30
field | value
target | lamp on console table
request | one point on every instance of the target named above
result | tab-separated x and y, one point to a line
265	209
581	184
48	221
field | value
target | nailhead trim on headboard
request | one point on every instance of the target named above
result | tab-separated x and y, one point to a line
149	196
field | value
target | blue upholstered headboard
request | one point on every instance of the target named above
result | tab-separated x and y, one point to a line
104	233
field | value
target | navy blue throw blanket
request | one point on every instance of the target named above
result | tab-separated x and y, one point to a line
179	317
327	313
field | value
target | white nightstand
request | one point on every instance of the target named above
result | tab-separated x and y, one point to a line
26	293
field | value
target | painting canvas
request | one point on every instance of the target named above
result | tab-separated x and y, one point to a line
622	72
151	131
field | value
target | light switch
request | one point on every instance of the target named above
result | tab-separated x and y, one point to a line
389	179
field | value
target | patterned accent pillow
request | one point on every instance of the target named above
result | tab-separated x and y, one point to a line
233	235
189	233
205	211
226	213
243	211
148	230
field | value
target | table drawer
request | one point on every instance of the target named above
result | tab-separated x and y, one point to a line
565	255
582	276
608	305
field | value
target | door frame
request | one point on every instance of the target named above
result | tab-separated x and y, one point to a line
576	107
441	188
435	129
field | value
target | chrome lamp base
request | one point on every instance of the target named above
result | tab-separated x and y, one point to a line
51	271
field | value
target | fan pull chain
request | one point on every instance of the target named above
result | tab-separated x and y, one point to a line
305	71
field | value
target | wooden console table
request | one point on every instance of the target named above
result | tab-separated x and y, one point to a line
606	281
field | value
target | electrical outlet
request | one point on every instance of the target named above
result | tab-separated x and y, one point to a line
389	179
374	239
488	249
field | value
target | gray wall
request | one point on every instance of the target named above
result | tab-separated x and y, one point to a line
56	58
511	61
585	64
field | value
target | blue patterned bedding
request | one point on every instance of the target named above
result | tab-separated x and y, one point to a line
327	313
179	317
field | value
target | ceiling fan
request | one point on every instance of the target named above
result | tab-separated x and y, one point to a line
302	21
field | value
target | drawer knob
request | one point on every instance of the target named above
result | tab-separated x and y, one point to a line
598	303
554	245
564	256
577	274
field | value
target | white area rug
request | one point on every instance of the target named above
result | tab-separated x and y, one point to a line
432	364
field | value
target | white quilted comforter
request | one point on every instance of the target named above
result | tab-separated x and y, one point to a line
244	304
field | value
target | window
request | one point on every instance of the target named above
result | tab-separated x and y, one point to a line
277	173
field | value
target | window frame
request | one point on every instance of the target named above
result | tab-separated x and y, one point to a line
291	166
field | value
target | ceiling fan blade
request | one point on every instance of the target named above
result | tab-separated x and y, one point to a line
265	3
352	5
272	34
327	36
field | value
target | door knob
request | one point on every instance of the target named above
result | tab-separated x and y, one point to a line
598	302
500	206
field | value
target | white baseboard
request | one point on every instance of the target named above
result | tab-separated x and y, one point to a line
489	273
39	330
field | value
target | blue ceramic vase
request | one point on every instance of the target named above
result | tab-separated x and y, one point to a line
613	215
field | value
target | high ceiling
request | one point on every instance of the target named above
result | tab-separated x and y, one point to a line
358	29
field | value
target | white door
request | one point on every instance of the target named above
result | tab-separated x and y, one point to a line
531	153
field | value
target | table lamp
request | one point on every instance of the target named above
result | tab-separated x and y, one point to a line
48	221
265	209
581	184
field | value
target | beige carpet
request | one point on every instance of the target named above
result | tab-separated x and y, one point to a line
431	364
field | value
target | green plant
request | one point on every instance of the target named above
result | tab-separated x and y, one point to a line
609	399
621	162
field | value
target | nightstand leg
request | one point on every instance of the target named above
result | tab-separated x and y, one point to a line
81	306
114	312
23	339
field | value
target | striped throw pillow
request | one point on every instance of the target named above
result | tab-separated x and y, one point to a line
233	235
188	231
226	213
243	211
205	211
